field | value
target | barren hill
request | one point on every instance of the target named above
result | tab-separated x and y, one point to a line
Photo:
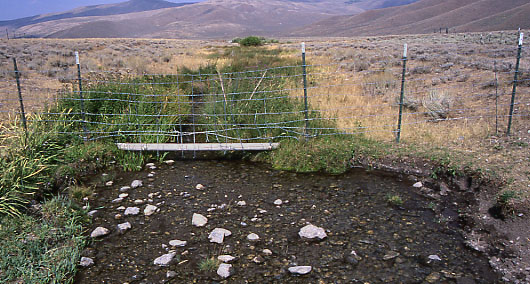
425	16
206	19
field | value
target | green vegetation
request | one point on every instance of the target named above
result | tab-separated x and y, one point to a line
209	264
253	41
394	200
44	250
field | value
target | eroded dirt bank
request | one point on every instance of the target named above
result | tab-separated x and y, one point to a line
372	236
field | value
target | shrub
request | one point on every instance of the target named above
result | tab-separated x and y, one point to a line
251	41
438	104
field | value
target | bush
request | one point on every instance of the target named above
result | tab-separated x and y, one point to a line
251	41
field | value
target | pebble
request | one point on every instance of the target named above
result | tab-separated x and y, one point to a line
225	270
218	234
165	259
241	203
132	211
150	175
434	257
139	202
258	259
148	165
171	274
92	213
200	187
169	162
226	258
390	255
253	237
198	220
118	216
123	195
136	184
278	202
267	252
117	200
312	232
433	277
418	184
121	208
124	188
86	262
150	210
177	243
124	227
99	232
300	270
109	183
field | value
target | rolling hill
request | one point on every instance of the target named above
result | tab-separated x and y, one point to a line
425	16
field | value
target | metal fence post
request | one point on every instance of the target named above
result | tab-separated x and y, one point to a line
82	100
22	112
304	70
521	36
398	137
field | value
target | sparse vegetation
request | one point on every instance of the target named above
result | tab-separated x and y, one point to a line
209	264
394	200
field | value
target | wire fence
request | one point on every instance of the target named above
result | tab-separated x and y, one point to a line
397	98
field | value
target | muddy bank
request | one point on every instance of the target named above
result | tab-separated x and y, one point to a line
379	228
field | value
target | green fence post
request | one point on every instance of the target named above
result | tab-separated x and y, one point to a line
398	137
515	76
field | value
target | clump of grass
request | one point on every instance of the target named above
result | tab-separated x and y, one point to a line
438	104
394	199
506	199
209	264
78	192
43	250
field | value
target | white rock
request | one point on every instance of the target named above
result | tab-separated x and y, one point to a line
99	232
123	195
124	188
171	274
225	270
312	232
418	184
86	262
124	227
198	220
150	210
262	211
301	270
241	203
117	200
200	187
92	213
109	183
218	234
169	162
164	260
177	243
253	237
226	258
434	257
132	211
150	175
121	208
139	202
136	184
278	202
267	252
148	165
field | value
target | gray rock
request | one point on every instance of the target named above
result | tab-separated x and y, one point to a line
92	213
86	262
99	232
434	257
312	232
177	243
253	237
117	200
218	234
390	255
124	227
418	184
124	188
226	258
300	270
198	220
225	270
123	195
150	210
136	184
278	202
132	211
171	274
165	259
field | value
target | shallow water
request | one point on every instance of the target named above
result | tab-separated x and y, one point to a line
392	243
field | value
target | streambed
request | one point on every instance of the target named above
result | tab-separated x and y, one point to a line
369	239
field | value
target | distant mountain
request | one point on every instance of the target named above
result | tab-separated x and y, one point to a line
425	16
95	10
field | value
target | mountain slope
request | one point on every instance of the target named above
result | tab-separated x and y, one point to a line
95	10
425	16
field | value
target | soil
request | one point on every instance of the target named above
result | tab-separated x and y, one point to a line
369	239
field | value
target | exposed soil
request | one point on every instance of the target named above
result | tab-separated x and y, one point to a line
392	242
